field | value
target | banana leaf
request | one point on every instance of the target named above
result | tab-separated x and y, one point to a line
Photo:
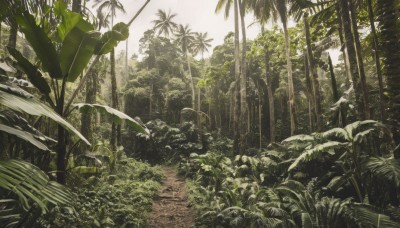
41	44
110	39
33	73
115	115
16	100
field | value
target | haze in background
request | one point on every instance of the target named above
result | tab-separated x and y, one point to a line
199	14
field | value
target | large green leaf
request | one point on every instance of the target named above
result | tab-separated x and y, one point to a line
110	39
41	44
69	19
77	49
28	182
33	73
316	152
15	101
115	115
24	135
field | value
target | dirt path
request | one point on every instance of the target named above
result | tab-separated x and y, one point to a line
171	208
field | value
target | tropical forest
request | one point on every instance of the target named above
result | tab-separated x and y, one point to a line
200	113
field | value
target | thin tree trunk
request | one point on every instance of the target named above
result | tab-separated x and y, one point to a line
271	101
315	81
1	35
236	126
310	94
343	44
114	99
244	109
377	60
363	80
292	103
61	140
191	80
352	55
335	93
198	106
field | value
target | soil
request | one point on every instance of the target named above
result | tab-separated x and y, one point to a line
171	209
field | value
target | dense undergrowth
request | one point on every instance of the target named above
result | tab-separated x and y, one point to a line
122	198
344	177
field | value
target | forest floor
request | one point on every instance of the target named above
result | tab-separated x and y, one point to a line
171	208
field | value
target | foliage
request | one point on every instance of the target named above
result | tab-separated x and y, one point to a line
122	199
166	142
27	189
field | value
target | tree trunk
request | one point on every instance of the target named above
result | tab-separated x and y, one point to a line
114	99
12	39
1	35
292	103
377	60
360	61
310	94
244	109
191	80
236	119
77	6
335	93
349	41
388	14
86	118
315	81
343	44
271	102
61	140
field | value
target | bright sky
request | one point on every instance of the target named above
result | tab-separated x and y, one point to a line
199	14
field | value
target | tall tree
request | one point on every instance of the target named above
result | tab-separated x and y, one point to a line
388	16
282	10
201	44
185	38
378	66
360	62
244	107
236	117
164	24
315	81
263	10
110	7
352	56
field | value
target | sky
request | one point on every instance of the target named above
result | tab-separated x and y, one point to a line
198	14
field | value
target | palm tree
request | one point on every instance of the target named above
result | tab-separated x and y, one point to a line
185	38
164	24
201	43
111	7
270	9
236	117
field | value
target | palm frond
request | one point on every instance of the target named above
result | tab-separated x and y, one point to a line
30	184
316	152
384	168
